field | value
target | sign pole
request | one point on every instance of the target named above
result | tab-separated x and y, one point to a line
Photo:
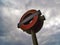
34	38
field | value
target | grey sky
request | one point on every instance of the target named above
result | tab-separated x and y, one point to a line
12	10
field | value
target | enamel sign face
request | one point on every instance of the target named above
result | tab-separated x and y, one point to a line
31	20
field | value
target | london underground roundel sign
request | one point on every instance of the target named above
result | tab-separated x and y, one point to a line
31	20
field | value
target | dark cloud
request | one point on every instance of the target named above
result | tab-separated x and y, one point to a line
1	25
3	42
10	15
1	3
53	39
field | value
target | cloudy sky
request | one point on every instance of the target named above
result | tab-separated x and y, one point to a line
12	10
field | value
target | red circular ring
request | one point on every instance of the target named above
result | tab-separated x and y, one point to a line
34	20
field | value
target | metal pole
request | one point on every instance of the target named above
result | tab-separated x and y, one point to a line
34	39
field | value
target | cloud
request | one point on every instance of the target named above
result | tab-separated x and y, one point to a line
11	12
9	17
52	40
